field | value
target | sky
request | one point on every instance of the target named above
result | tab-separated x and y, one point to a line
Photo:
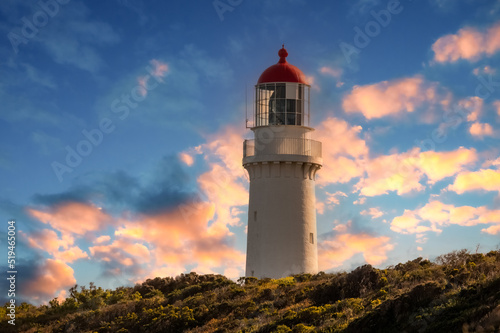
122	123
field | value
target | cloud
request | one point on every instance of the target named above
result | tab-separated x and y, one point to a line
343	151
62	249
496	104
404	172
224	184
72	218
340	248
122	252
159	71
102	239
479	130
50	278
435	215
360	201
334	72
482	180
440	165
162	187
473	106
331	200
468	43
374	212
175	239
390	98
186	158
483	70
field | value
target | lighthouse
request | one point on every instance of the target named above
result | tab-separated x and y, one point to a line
282	161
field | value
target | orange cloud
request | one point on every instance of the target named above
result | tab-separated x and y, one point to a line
468	43
333	253
186	158
435	215
343	151
72	218
388	98
479	130
51	277
176	238
404	172
484	179
496	104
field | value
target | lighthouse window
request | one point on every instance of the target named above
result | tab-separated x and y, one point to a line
311	238
280	90
290	112
282	104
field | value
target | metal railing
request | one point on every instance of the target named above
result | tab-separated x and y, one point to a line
282	146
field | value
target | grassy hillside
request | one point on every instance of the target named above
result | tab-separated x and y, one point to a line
460	292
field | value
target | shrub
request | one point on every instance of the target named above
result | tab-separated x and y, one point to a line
301	328
285	282
282	329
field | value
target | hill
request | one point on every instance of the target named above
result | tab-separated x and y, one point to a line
459	292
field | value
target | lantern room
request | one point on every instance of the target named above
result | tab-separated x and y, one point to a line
282	95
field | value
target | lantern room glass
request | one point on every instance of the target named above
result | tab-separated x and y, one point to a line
285	103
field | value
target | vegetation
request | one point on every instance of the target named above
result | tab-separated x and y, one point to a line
459	292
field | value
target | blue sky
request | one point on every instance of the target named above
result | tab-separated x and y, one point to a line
121	129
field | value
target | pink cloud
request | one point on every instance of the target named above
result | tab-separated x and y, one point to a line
186	158
473	106
51	277
468	43
374	212
102	239
72	218
483	70
121	251
60	248
480	130
333	72
496	104
334	252
332	199
389	98
160	68
360	201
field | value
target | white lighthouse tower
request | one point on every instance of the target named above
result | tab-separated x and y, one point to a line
282	162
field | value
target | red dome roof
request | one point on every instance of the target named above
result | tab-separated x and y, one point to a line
282	71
